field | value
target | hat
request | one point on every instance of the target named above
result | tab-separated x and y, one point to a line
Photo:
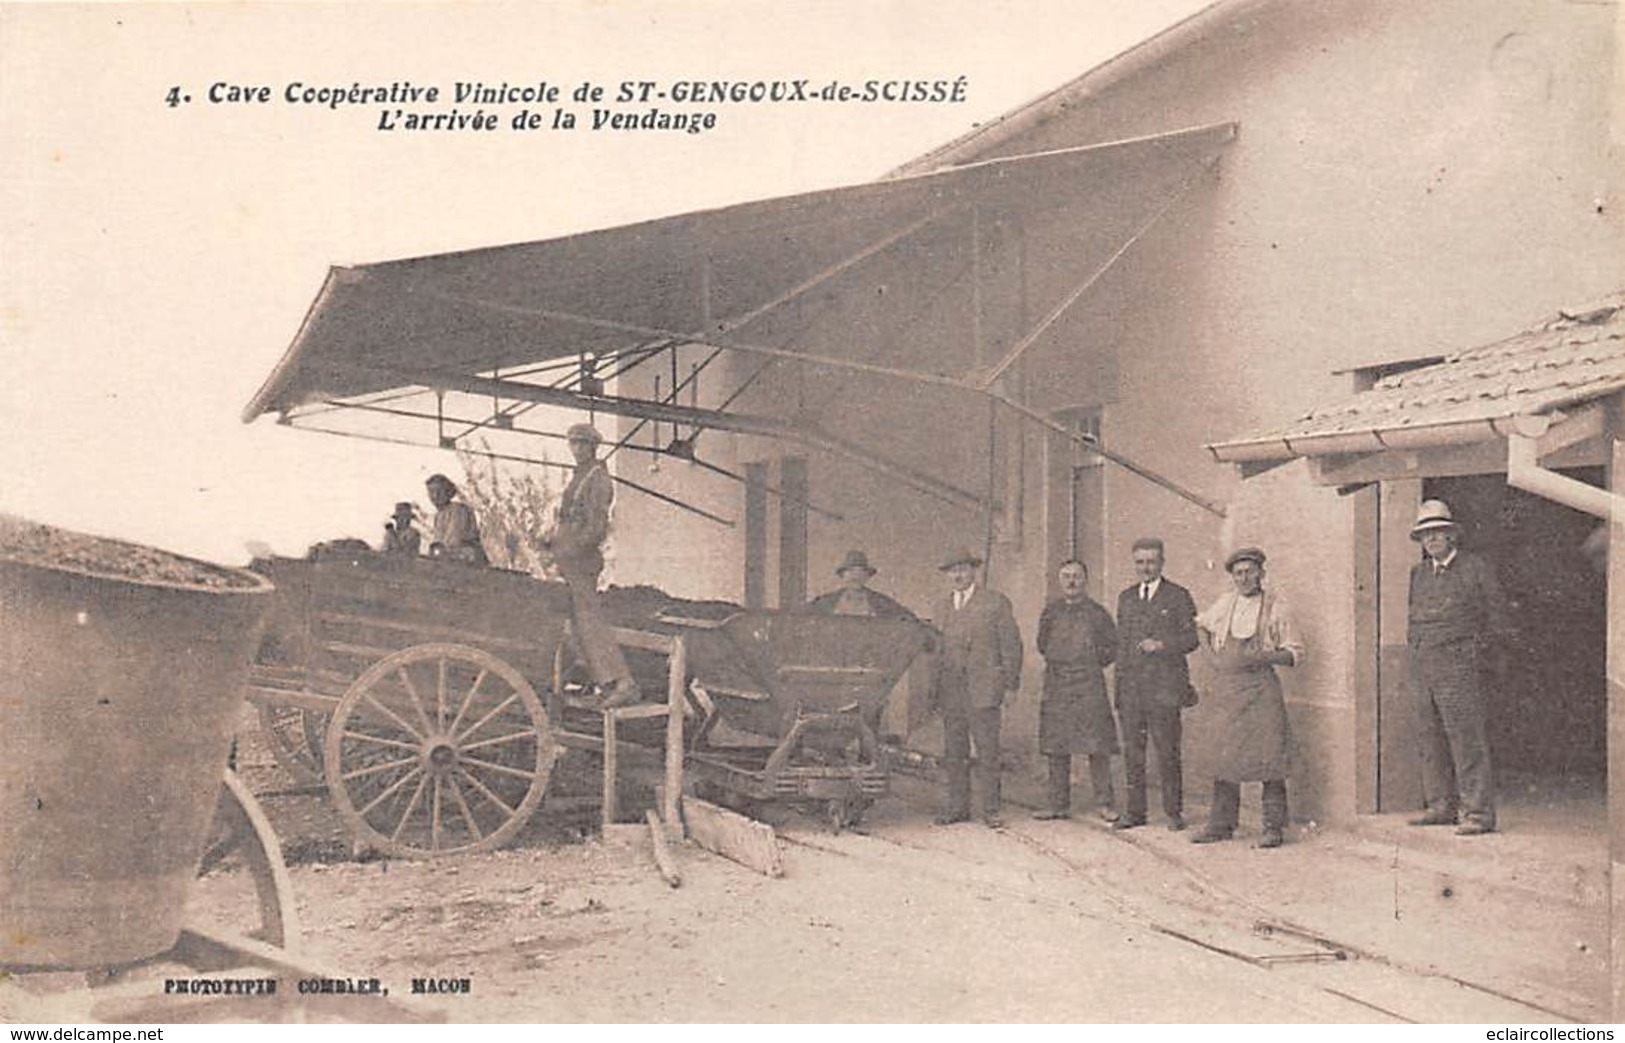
440	479
959	556
404	507
1241	554
1434	514
584	432
856	559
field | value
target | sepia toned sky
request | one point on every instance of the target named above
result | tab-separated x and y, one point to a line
156	260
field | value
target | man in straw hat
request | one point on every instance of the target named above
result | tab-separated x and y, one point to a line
855	598
577	543
400	537
1249	631
1455	605
978	661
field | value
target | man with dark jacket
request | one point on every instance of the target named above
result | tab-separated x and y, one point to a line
1156	630
855	597
1077	640
979	660
1455	611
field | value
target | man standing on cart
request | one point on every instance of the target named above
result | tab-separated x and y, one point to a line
577	544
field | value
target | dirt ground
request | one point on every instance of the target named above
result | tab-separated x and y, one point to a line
901	922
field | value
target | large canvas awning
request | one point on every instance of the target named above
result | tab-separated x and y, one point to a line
543	322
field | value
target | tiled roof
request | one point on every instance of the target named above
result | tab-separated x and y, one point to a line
1575	357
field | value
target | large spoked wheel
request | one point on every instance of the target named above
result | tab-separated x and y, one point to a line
437	750
288	731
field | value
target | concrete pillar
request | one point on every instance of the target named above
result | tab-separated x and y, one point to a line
1616	736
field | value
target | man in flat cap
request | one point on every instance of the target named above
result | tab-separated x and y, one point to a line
456	534
577	543
401	538
979	660
855	597
1156	630
1250	632
1455	608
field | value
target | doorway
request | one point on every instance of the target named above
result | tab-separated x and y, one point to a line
1548	697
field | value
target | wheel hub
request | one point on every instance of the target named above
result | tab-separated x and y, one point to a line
442	756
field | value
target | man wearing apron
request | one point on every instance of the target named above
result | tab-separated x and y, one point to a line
1249	632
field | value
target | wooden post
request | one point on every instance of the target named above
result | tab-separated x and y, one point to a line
1616	734
611	756
676	681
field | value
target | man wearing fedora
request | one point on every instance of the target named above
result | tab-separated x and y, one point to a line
577	543
1455	606
855	598
978	661
401	538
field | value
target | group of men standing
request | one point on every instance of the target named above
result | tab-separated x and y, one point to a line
1248	633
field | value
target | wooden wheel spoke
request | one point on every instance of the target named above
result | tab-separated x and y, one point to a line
434	816
377	769
440	696
379	740
462	807
486	791
502	768
417	700
468	700
483	721
411	806
391	791
498	741
392	715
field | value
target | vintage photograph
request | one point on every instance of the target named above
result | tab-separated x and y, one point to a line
1046	511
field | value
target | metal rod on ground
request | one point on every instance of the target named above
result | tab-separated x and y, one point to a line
663	860
677	673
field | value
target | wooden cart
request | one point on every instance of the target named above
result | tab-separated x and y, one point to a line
432	698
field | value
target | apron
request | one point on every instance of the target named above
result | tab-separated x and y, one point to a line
1248	715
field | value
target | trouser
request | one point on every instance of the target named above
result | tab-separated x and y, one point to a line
598	646
961	726
1454	733
1141	718
1226	811
1060	780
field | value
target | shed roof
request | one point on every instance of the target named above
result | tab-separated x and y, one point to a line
1574	357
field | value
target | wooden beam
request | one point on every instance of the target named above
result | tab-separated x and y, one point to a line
733	836
663	859
676	686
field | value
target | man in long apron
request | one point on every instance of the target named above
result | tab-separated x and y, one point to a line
1250	632
1078	641
1455	605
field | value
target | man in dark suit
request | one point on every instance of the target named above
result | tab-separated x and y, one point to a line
1156	630
978	662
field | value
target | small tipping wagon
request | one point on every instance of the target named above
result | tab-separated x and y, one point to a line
432	698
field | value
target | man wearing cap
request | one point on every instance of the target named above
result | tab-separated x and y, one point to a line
456	533
1455	606
400	537
1078	641
855	598
577	543
1156	630
978	661
1249	631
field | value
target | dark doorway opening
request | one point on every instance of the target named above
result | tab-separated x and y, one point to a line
1548	685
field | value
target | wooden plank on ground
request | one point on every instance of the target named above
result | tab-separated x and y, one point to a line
733	836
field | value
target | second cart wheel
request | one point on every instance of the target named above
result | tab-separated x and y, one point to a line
438	749
287	730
